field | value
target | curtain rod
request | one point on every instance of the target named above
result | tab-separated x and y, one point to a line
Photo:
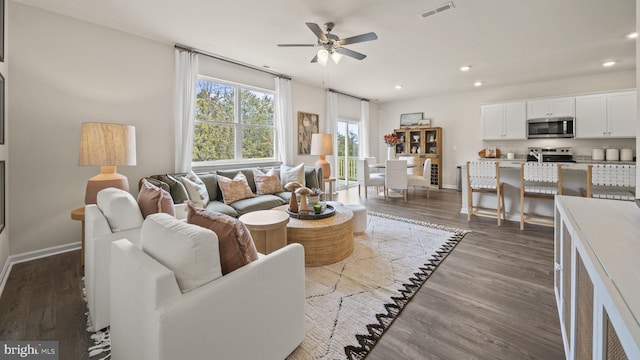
345	94
235	62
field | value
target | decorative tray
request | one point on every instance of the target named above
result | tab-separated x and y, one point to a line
328	212
487	154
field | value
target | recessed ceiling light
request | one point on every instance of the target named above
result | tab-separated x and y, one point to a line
398	87
465	68
477	83
632	35
609	63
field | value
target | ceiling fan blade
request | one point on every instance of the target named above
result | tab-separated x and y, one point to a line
317	30
353	54
315	59
359	38
292	45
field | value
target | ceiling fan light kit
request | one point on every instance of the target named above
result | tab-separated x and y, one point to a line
332	45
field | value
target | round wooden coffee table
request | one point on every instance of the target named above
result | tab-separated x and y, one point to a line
325	241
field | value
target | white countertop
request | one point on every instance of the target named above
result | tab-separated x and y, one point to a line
611	228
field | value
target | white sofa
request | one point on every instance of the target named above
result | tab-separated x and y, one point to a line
116	220
254	312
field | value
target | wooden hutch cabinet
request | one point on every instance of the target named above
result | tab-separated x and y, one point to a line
423	143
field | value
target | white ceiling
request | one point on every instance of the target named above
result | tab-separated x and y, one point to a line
505	41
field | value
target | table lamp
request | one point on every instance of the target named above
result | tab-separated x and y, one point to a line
322	144
107	145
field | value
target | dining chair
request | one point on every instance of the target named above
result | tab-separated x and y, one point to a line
539	181
422	180
396	177
611	181
484	177
410	161
366	179
372	160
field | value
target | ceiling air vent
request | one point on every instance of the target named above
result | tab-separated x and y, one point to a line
437	10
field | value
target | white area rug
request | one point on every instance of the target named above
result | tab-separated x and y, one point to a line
351	303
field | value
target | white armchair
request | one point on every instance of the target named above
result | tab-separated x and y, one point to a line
254	312
117	217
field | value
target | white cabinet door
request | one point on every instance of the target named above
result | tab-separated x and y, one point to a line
562	106
551	107
621	114
515	121
492	117
537	109
591	116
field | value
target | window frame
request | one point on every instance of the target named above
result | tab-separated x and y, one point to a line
237	124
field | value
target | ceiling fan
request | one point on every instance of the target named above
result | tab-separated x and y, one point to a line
332	45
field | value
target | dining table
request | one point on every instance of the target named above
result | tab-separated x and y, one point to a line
392	193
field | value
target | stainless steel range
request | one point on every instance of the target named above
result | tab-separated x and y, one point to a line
550	154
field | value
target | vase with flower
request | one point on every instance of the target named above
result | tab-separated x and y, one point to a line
391	140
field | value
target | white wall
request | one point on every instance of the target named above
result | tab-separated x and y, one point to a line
459	116
67	72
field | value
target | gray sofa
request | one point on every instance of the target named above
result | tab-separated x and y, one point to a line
313	178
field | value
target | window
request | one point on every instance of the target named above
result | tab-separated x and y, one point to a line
233	122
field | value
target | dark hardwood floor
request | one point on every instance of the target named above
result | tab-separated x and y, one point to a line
492	298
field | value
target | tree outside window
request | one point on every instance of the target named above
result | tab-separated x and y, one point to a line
233	122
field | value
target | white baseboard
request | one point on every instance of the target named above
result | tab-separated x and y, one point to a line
32	255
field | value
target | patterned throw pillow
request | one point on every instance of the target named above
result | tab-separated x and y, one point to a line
234	240
234	189
196	188
288	174
152	199
268	183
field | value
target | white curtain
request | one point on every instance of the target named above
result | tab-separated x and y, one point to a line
186	82
364	129
331	128
284	121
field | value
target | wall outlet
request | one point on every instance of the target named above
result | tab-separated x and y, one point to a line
455	148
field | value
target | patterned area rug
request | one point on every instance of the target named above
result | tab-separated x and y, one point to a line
350	304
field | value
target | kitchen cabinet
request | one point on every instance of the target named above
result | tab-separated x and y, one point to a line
506	121
564	106
610	115
423	143
597	280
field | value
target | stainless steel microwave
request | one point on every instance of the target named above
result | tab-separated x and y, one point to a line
552	127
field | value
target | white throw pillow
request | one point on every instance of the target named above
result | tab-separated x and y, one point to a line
288	174
196	189
120	209
190	251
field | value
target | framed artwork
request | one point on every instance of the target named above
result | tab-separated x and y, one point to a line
2	195
410	119
307	125
424	122
1	30
1	109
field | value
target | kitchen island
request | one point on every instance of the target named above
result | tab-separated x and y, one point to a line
574	178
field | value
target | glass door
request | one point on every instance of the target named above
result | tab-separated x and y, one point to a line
348	153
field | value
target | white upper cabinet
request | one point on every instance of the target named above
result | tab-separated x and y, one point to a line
505	121
606	115
551	107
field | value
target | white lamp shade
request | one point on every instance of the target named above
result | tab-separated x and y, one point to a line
104	144
336	57
321	144
323	56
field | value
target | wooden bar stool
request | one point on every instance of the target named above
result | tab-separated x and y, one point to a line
484	177
539	181
615	182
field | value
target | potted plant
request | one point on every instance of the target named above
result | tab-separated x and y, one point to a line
314	197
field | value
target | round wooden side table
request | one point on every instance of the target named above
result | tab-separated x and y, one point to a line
268	229
78	214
